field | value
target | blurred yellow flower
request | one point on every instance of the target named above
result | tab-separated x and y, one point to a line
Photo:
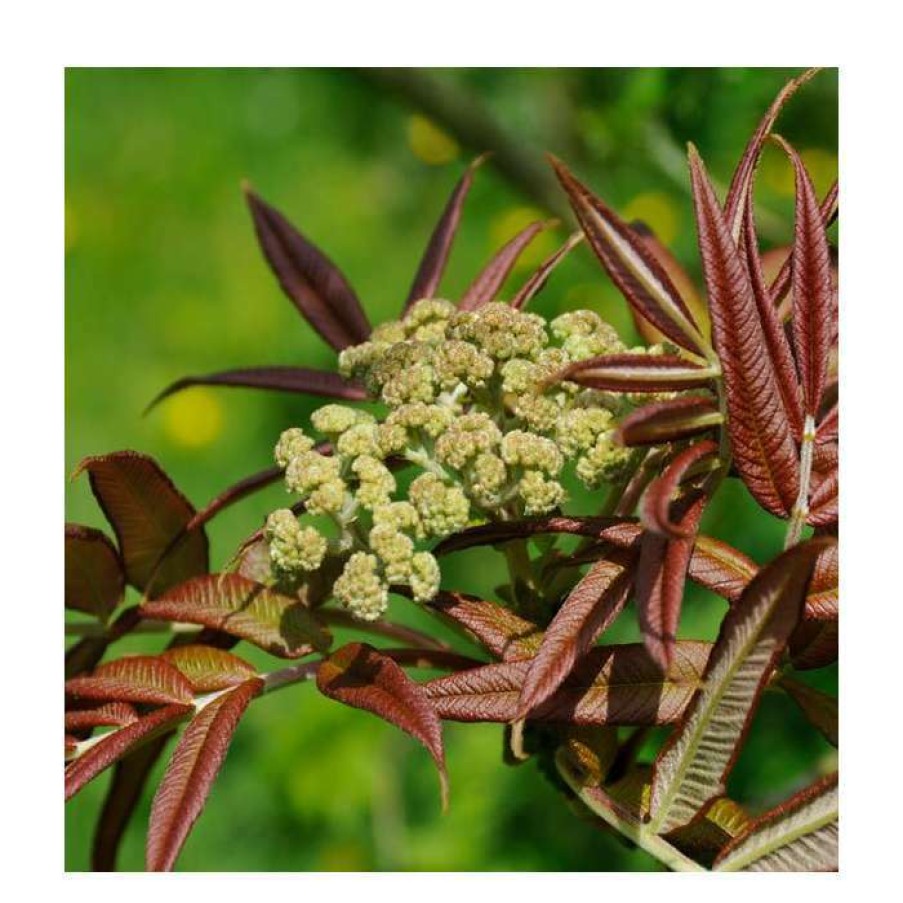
193	418
657	211
429	143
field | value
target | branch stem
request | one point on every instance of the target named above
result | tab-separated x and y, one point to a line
624	822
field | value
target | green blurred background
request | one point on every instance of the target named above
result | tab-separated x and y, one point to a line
164	279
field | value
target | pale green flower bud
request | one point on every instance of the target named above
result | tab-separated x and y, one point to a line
409	424
443	509
334	419
467	437
389	333
376	481
539	494
425	576
310	470
398	515
360	588
532	452
460	362
427	310
539	412
394	551
500	331
605	462
583	334
357	360
487	478
360	439
328	498
578	429
292	443
520	376
293	548
427	320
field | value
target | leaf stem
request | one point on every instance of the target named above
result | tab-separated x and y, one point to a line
801	505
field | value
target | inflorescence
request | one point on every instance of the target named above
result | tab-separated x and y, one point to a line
471	406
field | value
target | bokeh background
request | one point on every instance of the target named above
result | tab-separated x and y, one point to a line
164	279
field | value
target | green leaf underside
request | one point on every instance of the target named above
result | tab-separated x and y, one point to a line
800	835
694	763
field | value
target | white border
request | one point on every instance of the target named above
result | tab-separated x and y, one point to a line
40	40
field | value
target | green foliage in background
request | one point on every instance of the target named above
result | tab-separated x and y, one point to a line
164	278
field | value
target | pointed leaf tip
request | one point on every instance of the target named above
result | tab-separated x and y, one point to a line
147	513
362	677
631	266
189	777
760	432
435	256
312	282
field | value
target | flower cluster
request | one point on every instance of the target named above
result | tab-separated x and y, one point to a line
471	406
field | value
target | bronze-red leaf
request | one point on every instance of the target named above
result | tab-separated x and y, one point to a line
655	507
95	583
313	283
614	685
772	327
361	677
489	282
813	290
660	580
505	634
638	373
323	383
761	436
536	283
135	678
191	772
207	668
588	611
435	257
642	280
743	174
113	746
280	624
110	714
147	513
669	421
